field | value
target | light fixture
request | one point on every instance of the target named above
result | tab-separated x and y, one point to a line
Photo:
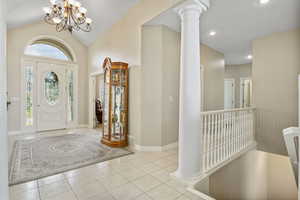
249	57
67	15
263	2
212	33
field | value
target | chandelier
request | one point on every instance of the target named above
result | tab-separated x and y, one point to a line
67	15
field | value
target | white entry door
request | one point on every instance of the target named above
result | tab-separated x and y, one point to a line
229	93
51	97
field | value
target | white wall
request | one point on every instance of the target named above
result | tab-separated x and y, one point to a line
236	72
256	175
275	70
3	114
17	39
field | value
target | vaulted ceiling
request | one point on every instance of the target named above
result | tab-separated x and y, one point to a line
236	22
103	12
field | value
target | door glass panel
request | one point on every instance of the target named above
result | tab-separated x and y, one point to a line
51	88
28	96
70	95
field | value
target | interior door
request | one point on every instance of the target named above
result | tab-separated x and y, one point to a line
51	97
246	93
229	94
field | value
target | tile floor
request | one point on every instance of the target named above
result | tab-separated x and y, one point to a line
140	176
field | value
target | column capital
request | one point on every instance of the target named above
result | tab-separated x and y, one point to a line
199	5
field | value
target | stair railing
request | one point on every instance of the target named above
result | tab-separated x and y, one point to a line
291	138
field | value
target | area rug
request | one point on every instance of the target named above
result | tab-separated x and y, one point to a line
41	157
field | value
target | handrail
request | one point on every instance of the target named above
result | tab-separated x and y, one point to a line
226	133
291	138
227	110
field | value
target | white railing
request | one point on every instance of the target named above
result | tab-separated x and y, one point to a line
225	134
291	138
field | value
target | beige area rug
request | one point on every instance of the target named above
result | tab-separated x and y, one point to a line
41	157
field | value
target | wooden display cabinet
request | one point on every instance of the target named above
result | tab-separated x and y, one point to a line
115	105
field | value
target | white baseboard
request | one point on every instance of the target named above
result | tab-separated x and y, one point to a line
156	148
82	126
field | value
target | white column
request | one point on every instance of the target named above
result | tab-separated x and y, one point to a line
190	144
3	111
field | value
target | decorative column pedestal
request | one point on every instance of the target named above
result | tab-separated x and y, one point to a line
190	135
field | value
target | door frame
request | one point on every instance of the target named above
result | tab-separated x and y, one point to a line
92	98
234	101
242	79
33	60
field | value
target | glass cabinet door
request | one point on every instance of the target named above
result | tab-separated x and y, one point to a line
106	106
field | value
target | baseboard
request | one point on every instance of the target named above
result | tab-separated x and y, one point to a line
19	132
82	126
156	148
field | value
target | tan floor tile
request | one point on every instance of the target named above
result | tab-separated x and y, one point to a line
146	183
51	179
104	196
114	181
132	174
89	190
126	192
162	175
32	194
182	197
62	196
54	189
180	187
143	197
24	186
163	192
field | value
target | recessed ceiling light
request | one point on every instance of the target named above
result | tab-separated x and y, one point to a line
263	2
212	33
249	57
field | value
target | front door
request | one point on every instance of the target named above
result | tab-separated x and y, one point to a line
51	101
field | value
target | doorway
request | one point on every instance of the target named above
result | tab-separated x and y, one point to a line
48	95
96	82
245	92
229	93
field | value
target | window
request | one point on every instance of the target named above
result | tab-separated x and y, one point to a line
28	95
51	88
50	49
70	95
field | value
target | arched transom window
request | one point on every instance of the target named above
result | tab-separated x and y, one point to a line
50	49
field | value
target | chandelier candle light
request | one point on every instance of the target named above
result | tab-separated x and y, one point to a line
67	15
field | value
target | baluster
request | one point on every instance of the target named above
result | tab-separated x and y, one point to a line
242	131
209	142
231	134
217	139
222	138
246	129
205	145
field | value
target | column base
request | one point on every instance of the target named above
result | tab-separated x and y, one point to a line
187	180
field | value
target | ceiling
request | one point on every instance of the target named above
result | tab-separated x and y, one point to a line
103	12
237	23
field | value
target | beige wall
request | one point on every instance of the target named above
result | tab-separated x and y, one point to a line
256	175
214	67
236	72
160	84
17	39
123	43
275	70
